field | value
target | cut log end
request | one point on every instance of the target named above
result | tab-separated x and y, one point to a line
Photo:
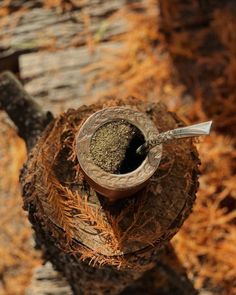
74	224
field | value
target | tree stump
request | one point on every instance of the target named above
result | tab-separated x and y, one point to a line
101	247
76	227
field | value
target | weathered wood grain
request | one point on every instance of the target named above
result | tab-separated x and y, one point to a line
49	50
42	28
35	28
59	80
46	280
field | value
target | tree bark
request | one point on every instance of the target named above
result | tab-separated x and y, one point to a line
23	111
167	278
24	33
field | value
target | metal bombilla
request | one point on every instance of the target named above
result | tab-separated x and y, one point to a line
189	131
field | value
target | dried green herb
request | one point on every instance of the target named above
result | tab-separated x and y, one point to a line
113	147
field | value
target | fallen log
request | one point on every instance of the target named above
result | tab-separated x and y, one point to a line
30	27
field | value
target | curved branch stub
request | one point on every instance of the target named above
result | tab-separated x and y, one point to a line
25	113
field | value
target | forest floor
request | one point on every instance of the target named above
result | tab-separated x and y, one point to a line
122	53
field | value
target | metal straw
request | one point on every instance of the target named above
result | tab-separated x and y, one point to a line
189	131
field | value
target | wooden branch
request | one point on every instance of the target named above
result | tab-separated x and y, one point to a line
23	111
44	28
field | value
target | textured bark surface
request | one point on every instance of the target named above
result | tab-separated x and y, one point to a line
60	80
200	37
75	226
23	111
54	53
44	28
46	281
166	278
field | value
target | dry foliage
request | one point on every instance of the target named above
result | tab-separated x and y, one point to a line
202	47
18	257
142	67
55	197
206	243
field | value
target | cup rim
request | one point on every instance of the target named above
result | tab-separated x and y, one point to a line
109	181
